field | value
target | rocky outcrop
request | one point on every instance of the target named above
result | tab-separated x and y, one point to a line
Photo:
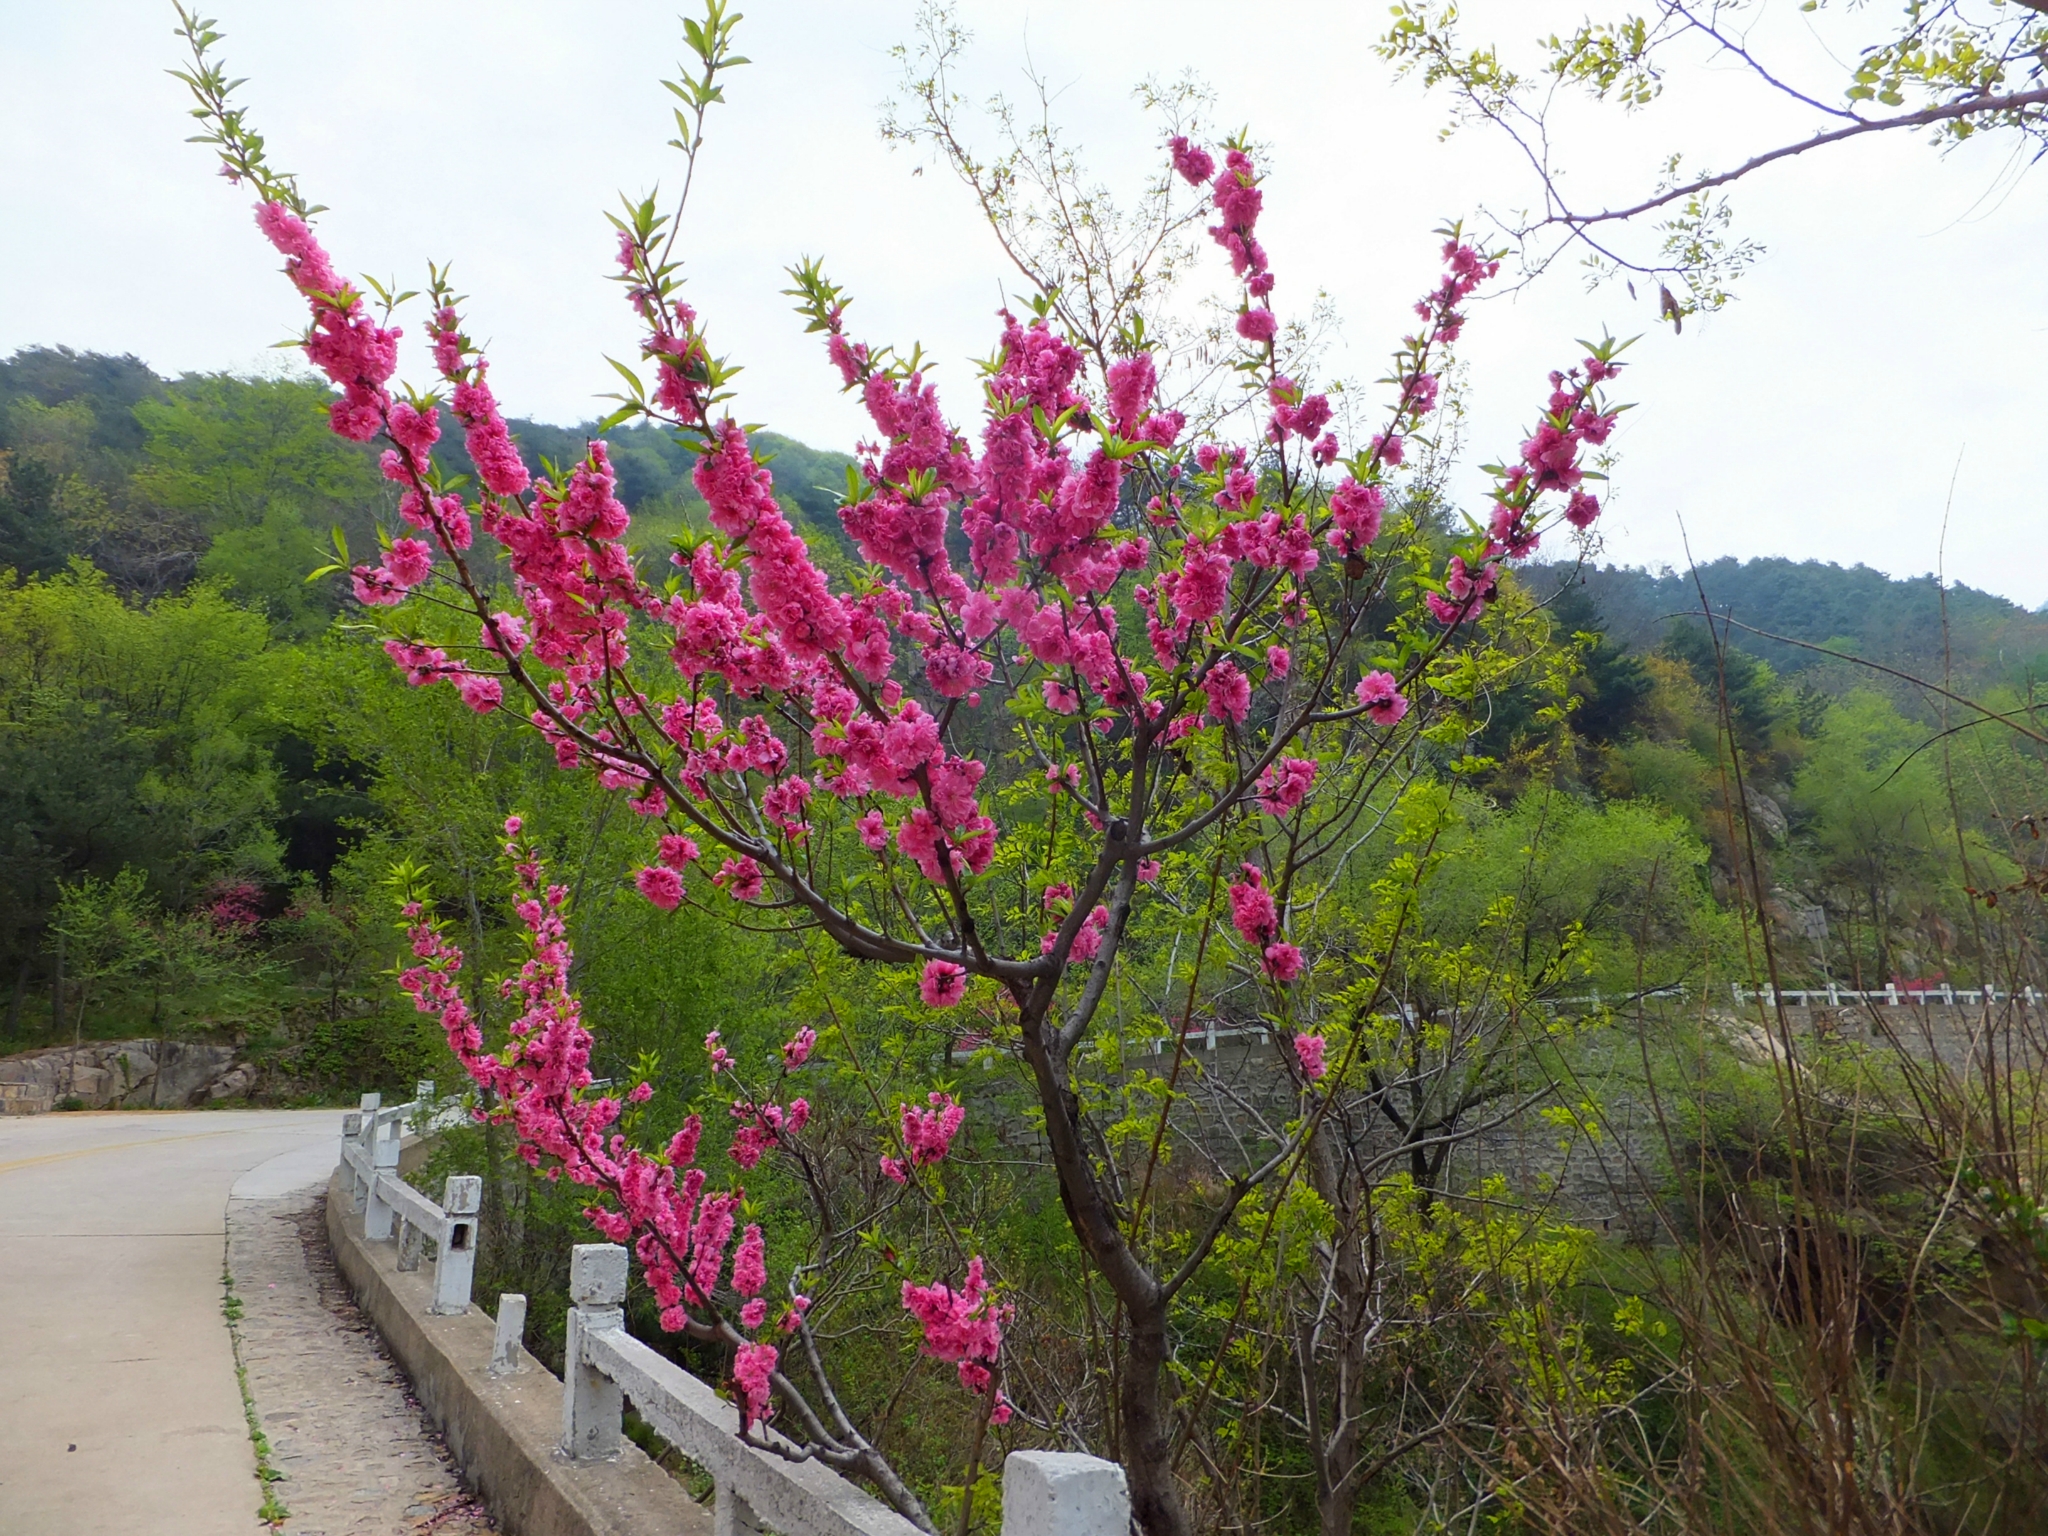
124	1074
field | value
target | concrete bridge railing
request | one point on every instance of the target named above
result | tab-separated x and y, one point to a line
1890	996
1045	1493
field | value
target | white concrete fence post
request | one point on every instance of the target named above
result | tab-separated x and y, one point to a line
366	1124
455	1267
506	1350
411	1242
731	1514
1061	1493
592	1406
384	1161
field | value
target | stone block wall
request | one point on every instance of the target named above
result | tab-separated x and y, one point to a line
124	1074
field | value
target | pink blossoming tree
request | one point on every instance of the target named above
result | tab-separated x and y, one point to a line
1099	656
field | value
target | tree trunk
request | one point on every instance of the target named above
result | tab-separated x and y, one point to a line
1144	1425
1336	1449
14	1003
1148	1431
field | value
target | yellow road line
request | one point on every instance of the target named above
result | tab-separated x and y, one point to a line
116	1146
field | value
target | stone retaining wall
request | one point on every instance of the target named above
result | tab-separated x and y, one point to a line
1240	1097
123	1074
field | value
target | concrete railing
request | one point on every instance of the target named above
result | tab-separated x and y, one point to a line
1891	996
392	1208
1045	1493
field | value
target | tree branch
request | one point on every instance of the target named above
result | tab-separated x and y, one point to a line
1972	106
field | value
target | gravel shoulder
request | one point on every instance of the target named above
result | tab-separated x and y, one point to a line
356	1453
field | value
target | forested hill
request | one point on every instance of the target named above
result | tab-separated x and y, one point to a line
158	481
1853	610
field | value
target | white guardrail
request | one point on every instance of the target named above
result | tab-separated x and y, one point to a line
1045	1493
1892	996
370	1141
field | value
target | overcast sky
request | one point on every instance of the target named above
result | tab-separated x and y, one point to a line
1889	343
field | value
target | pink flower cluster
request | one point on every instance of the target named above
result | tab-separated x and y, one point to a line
763	1126
1257	920
1285	784
1575	416
658	1205
1381	698
927	1134
963	1325
1238	200
357	354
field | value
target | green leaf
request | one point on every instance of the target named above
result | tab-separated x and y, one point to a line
632	379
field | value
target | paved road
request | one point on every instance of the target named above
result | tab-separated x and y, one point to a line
119	1411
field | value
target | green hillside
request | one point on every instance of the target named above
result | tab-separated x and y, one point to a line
1984	639
160	481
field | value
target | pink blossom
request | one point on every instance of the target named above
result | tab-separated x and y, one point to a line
660	885
961	1325
1252	911
1088	942
749	1264
677	851
1060	699
1240	488
486	437
1282	962
943	984
410	562
1308	1050
754	1314
679	1231
739	878
1131	382
1148	871
480	693
1258	325
1279	660
1355	511
1194	164
1510	532
1382	698
376	587
797	1049
1229	692
928	1133
1285	784
510	629
874	831
753	1366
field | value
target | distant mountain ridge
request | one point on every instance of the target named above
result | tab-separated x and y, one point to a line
1852	609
